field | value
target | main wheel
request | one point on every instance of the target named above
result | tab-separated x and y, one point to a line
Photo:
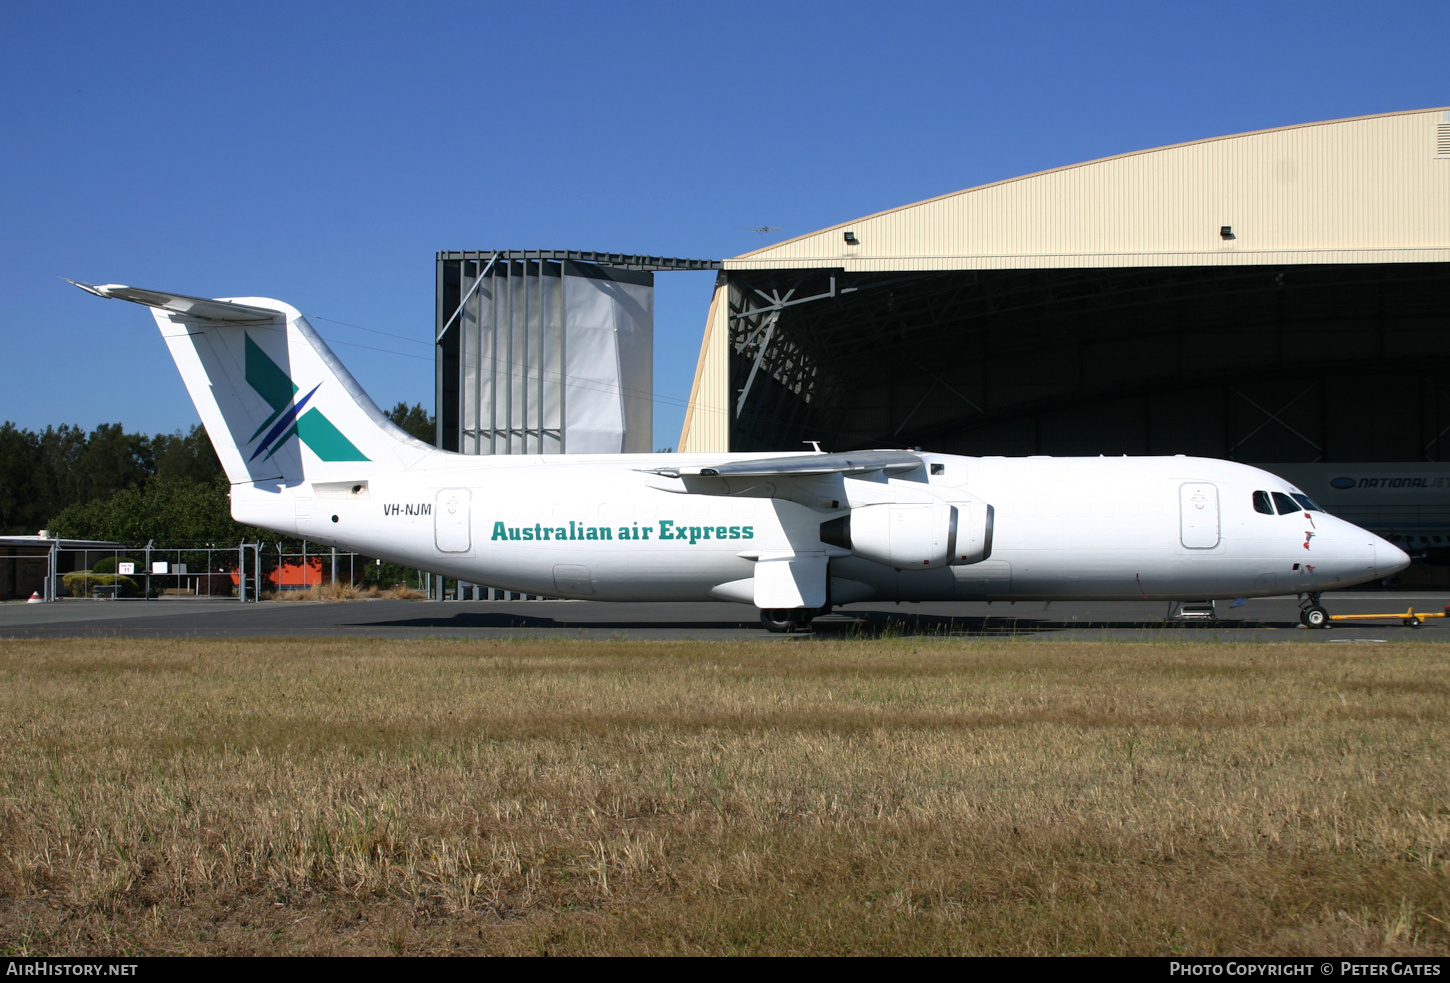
1314	616
785	619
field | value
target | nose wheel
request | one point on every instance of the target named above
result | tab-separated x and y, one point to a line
1312	614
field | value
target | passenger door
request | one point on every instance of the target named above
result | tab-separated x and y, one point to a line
451	522
1198	511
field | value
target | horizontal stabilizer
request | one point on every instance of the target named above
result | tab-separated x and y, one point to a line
279	407
802	465
197	307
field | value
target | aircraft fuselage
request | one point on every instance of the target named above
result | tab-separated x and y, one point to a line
614	529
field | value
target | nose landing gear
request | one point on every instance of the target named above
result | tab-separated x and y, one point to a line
1312	614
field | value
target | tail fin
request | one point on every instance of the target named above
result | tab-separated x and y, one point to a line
278	405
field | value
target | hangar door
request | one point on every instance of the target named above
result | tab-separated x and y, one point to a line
547	351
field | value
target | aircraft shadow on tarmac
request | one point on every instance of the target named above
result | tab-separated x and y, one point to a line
875	624
515	620
856	624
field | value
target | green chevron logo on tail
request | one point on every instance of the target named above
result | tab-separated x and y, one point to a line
287	419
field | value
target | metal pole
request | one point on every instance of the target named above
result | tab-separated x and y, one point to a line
476	369
563	365
334	566
508	409
445	327
492	368
524	355
438	413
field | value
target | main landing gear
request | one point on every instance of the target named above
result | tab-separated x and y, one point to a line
1312	614
785	620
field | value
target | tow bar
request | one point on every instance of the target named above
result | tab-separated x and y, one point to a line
1409	617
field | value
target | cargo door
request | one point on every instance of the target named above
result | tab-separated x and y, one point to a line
451	530
1198	508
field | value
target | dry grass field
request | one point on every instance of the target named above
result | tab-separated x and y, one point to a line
783	796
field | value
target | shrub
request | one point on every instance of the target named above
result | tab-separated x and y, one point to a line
108	564
81	583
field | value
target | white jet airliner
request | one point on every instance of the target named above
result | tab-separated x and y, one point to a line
308	454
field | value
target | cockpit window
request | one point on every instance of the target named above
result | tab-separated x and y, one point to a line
1262	503
1306	502
1285	503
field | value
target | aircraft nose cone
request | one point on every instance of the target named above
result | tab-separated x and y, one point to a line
1388	558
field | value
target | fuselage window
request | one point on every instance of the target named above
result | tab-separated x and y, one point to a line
1307	502
1262	503
1285	503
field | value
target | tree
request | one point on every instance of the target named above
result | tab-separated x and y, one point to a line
169	511
42	475
113	460
415	420
20	508
58	479
186	458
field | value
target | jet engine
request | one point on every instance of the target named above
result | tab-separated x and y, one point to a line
915	536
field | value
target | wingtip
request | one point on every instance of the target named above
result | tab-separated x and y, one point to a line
104	290
88	288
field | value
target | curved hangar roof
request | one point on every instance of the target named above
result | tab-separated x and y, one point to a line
1371	189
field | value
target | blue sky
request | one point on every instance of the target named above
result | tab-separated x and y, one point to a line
321	153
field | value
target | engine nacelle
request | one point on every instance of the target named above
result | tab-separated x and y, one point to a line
915	536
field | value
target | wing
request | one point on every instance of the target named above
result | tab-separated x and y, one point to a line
801	465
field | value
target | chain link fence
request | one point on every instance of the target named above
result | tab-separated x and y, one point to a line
52	570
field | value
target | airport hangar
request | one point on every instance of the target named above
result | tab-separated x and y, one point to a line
1280	298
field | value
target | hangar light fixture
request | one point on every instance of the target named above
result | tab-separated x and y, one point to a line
851	239
1226	232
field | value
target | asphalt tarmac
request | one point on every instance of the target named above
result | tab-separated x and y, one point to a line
1267	620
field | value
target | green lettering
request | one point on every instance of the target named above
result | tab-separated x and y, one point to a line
624	532
605	532
528	533
734	532
561	533
665	529
647	531
591	533
694	534
513	532
498	531
719	532
747	532
547	532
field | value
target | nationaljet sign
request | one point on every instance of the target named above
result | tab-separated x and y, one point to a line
287	419
1392	482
